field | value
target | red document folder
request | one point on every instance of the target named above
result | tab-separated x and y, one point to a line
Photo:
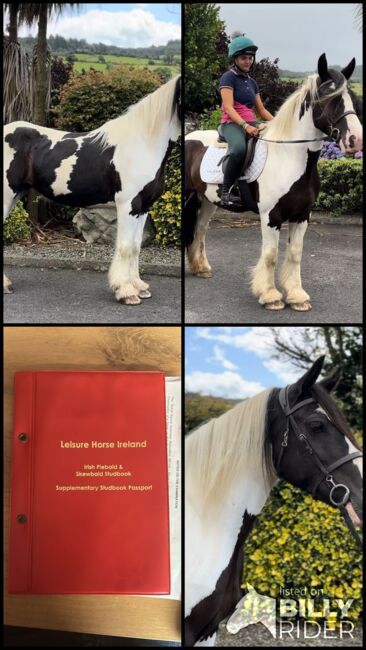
89	486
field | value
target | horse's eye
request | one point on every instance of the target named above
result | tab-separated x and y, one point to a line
316	424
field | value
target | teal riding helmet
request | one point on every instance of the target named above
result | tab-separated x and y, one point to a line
241	45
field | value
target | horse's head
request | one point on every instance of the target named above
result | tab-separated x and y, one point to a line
337	109
313	447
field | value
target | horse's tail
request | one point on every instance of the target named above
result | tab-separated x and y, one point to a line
191	207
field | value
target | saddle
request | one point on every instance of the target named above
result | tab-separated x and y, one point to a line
250	149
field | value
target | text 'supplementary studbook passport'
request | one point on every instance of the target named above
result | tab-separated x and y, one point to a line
89	507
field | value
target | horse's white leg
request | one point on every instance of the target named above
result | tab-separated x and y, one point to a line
123	278
196	252
142	286
290	275
9	201
263	282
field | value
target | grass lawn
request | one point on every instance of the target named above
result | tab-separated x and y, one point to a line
87	61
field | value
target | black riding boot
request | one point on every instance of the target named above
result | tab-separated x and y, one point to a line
232	170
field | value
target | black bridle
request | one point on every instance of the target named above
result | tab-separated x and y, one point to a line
326	474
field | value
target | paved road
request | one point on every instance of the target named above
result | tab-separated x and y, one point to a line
258	636
331	274
68	296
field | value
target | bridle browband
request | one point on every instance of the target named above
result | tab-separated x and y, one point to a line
325	471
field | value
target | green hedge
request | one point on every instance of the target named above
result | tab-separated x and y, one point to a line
89	100
166	211
16	226
341	186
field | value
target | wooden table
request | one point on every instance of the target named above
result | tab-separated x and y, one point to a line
88	348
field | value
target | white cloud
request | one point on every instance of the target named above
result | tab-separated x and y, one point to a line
220	358
260	341
129	28
257	339
225	384
287	373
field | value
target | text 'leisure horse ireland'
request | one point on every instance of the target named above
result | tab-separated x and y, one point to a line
121	162
288	185
232	462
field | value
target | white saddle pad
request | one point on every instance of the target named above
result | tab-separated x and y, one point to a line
211	164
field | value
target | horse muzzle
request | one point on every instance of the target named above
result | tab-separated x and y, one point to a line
353	143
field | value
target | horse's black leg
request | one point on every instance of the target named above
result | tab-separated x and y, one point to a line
200	216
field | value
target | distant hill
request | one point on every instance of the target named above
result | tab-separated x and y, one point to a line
200	408
357	75
63	46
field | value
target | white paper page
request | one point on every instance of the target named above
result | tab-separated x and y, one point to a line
174	432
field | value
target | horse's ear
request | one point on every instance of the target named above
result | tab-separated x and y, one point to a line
331	381
348	70
323	68
305	383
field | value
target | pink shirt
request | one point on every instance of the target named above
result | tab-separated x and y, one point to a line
246	113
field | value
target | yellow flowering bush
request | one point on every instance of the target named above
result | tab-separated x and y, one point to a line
300	543
16	227
166	211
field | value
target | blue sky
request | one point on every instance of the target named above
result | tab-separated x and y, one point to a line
235	362
139	24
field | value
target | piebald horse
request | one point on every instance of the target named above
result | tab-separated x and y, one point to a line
288	186
121	162
232	462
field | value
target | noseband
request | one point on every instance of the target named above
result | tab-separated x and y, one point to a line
325	471
335	134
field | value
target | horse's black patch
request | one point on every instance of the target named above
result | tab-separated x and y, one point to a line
297	203
177	99
93	179
305	105
75	134
205	617
141	203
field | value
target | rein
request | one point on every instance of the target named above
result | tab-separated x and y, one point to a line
332	135
325	471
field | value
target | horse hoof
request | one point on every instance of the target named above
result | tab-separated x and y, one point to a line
144	293
275	306
301	306
204	274
132	300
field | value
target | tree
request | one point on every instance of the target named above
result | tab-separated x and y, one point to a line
29	13
358	15
205	54
272	89
16	74
342	347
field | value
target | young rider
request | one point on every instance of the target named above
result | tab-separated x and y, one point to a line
240	94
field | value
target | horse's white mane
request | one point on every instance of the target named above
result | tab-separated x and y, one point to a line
228	447
145	117
287	117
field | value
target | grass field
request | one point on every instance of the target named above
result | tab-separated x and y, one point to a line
88	61
355	85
